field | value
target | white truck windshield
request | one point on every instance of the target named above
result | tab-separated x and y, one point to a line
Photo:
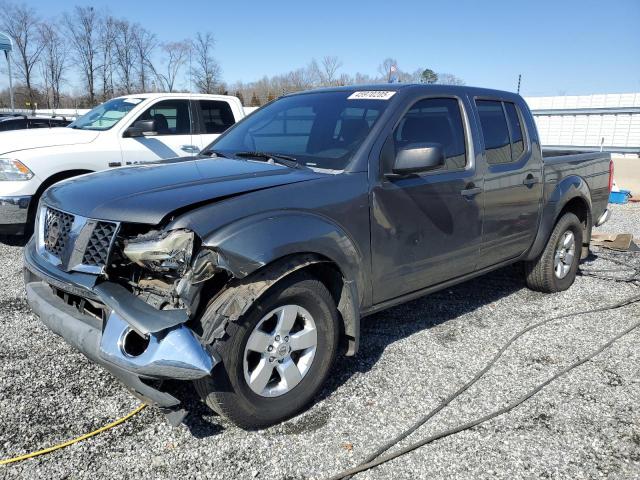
106	115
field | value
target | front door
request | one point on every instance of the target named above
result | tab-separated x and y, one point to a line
173	138
426	228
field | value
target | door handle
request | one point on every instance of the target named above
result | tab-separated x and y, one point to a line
530	180
470	192
189	148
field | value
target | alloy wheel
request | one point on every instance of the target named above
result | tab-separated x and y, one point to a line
280	350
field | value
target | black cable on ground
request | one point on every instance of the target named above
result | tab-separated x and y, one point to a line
632	271
634	279
370	459
465	426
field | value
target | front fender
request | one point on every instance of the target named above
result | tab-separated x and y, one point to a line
566	190
256	241
248	245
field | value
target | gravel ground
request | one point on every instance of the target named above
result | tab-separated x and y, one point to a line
585	425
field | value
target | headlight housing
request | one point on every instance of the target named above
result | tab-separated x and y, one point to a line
162	251
12	169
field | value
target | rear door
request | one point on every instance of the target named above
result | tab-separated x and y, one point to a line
174	137
513	182
426	228
213	118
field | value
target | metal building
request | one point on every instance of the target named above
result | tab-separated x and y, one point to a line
589	122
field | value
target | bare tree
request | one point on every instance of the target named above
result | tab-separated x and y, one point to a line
125	55
53	62
107	36
386	67
144	43
176	54
330	65
83	27
207	72
21	23
301	79
449	79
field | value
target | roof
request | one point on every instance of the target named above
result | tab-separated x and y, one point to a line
434	88
173	94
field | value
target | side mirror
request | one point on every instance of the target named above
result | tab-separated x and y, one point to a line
141	128
418	157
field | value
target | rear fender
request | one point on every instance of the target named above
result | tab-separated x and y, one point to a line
569	188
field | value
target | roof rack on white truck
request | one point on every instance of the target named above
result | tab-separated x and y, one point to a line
122	131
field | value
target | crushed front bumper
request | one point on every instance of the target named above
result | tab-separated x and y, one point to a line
172	351
13	214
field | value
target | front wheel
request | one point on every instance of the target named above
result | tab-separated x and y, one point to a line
276	357
556	267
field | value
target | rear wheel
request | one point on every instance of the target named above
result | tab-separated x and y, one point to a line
276	357
556	267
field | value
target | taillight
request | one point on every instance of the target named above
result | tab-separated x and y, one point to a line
610	175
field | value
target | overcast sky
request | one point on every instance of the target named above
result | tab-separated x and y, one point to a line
559	47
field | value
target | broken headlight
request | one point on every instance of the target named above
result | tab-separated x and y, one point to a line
161	251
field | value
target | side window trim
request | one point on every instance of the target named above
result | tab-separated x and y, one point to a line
469	149
506	117
523	131
197	121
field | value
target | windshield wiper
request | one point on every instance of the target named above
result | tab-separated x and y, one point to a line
285	160
210	153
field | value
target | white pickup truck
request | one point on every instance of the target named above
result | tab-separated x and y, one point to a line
122	131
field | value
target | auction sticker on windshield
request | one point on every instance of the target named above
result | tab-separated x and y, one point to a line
371	95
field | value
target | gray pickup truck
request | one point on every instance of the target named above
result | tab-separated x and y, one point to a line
247	269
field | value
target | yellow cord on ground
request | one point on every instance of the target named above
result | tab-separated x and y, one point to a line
75	440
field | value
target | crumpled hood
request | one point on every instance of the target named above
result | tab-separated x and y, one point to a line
148	193
16	140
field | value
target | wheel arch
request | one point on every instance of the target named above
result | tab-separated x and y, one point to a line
572	194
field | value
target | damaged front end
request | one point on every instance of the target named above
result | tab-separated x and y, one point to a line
133	308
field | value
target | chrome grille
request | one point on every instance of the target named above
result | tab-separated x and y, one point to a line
97	251
57	226
73	242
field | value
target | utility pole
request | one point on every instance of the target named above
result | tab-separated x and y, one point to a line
519	78
13	107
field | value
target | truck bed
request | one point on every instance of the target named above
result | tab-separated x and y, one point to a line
591	167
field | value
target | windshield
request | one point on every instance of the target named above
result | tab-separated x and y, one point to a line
321	129
105	116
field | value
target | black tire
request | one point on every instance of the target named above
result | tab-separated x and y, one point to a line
226	391
540	274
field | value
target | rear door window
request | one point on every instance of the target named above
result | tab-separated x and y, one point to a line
495	131
517	132
435	120
216	116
